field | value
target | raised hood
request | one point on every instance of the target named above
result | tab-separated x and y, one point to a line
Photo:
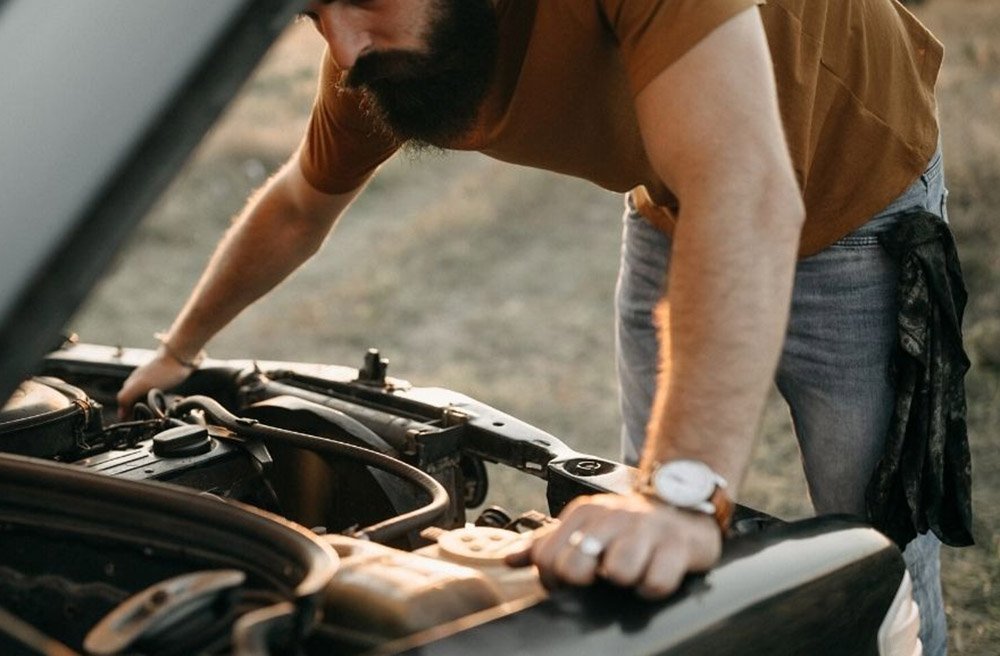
100	104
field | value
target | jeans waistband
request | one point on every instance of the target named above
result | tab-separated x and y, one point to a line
930	183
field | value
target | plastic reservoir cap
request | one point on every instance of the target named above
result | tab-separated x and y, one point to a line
182	441
480	545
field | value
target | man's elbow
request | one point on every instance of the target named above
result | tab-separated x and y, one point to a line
307	234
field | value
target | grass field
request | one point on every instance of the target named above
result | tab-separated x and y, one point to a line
497	281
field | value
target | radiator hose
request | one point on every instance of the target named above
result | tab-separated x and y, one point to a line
384	531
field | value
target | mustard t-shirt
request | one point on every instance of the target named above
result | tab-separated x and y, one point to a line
855	83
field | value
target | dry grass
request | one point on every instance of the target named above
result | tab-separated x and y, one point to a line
497	281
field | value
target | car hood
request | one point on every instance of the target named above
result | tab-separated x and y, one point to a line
102	103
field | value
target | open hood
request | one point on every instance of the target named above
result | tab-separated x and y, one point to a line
90	136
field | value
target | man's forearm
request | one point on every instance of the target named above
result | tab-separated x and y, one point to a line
721	329
280	228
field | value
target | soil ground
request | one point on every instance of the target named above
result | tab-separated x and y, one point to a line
497	281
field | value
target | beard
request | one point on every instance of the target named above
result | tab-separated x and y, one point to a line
432	97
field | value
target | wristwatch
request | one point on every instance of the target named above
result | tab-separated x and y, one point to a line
690	485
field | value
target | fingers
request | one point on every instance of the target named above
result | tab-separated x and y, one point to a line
626	559
558	553
629	541
519	558
161	373
663	575
135	386
701	549
578	562
520	555
125	399
571	553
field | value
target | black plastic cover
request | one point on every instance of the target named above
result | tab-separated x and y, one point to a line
46	418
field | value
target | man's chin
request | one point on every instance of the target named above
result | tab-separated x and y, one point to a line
422	124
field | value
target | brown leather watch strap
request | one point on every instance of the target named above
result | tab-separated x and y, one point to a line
724	508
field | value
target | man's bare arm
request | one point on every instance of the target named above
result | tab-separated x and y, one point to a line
282	225
712	129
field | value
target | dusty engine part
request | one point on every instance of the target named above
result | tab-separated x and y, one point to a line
47	418
77	545
168	612
387	593
484	549
191	457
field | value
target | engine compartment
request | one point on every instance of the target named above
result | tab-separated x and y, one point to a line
386	488
289	508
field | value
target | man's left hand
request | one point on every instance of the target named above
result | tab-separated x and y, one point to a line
629	540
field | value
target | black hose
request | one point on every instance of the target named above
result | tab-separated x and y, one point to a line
348	426
157	402
384	531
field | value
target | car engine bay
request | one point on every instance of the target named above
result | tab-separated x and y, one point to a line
384	481
288	508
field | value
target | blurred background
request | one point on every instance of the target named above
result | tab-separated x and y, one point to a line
497	281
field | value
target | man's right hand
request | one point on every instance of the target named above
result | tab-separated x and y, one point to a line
281	226
162	372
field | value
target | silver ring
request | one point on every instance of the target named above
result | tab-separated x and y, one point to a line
588	545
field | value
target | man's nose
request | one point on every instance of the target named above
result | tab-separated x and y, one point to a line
345	39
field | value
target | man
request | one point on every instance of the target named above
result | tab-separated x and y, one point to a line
751	135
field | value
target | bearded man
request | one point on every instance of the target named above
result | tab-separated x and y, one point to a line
763	147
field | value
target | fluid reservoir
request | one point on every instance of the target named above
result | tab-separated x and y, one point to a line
484	549
390	593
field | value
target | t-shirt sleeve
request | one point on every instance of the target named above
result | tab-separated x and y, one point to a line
342	146
653	34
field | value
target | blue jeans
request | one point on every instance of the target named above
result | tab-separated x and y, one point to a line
833	372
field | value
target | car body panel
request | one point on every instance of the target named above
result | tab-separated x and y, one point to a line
102	104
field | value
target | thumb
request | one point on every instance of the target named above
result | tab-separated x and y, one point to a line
520	552
125	398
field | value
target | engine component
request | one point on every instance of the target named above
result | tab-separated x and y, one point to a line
373	373
182	441
387	593
484	549
388	529
254	634
383	593
167	613
96	540
47	418
18	637
190	456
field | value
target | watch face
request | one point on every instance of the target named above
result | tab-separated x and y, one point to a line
684	483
